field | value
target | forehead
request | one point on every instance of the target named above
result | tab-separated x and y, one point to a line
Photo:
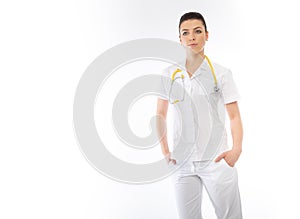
191	24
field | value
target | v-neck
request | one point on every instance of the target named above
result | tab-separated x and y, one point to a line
202	66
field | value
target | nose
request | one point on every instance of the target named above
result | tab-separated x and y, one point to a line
192	36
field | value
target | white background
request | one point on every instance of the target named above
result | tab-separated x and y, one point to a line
46	46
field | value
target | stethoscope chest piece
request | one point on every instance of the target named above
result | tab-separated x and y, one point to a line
216	89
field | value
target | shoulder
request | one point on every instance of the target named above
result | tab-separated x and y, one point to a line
166	74
169	70
220	70
223	74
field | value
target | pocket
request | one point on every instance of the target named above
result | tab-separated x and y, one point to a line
171	163
226	164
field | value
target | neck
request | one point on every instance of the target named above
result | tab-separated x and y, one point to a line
191	56
193	61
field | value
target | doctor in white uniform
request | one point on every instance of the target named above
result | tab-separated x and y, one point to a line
201	152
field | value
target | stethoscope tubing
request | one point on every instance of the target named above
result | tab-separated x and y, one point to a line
216	88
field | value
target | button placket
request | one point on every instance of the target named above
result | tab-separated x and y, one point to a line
193	84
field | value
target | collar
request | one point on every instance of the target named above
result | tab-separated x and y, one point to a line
203	67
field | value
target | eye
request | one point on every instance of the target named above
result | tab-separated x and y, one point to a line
198	31
184	33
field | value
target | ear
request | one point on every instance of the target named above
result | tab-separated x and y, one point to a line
207	34
179	39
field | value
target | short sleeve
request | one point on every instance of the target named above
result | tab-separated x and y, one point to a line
229	89
162	86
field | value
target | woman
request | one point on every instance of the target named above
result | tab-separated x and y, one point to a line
211	162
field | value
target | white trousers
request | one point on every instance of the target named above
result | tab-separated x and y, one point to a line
221	183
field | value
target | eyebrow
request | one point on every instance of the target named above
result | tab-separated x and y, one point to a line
188	29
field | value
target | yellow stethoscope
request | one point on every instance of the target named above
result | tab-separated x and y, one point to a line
216	88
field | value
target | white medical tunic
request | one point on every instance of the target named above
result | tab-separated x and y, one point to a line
198	120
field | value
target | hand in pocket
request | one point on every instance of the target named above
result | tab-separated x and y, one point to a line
169	159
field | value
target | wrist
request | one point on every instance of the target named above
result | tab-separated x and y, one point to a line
168	156
237	149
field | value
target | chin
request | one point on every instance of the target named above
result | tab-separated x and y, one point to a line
196	51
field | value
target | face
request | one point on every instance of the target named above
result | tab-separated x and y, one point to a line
193	36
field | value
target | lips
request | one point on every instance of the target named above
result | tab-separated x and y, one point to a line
193	44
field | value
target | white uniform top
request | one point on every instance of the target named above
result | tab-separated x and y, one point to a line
189	120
